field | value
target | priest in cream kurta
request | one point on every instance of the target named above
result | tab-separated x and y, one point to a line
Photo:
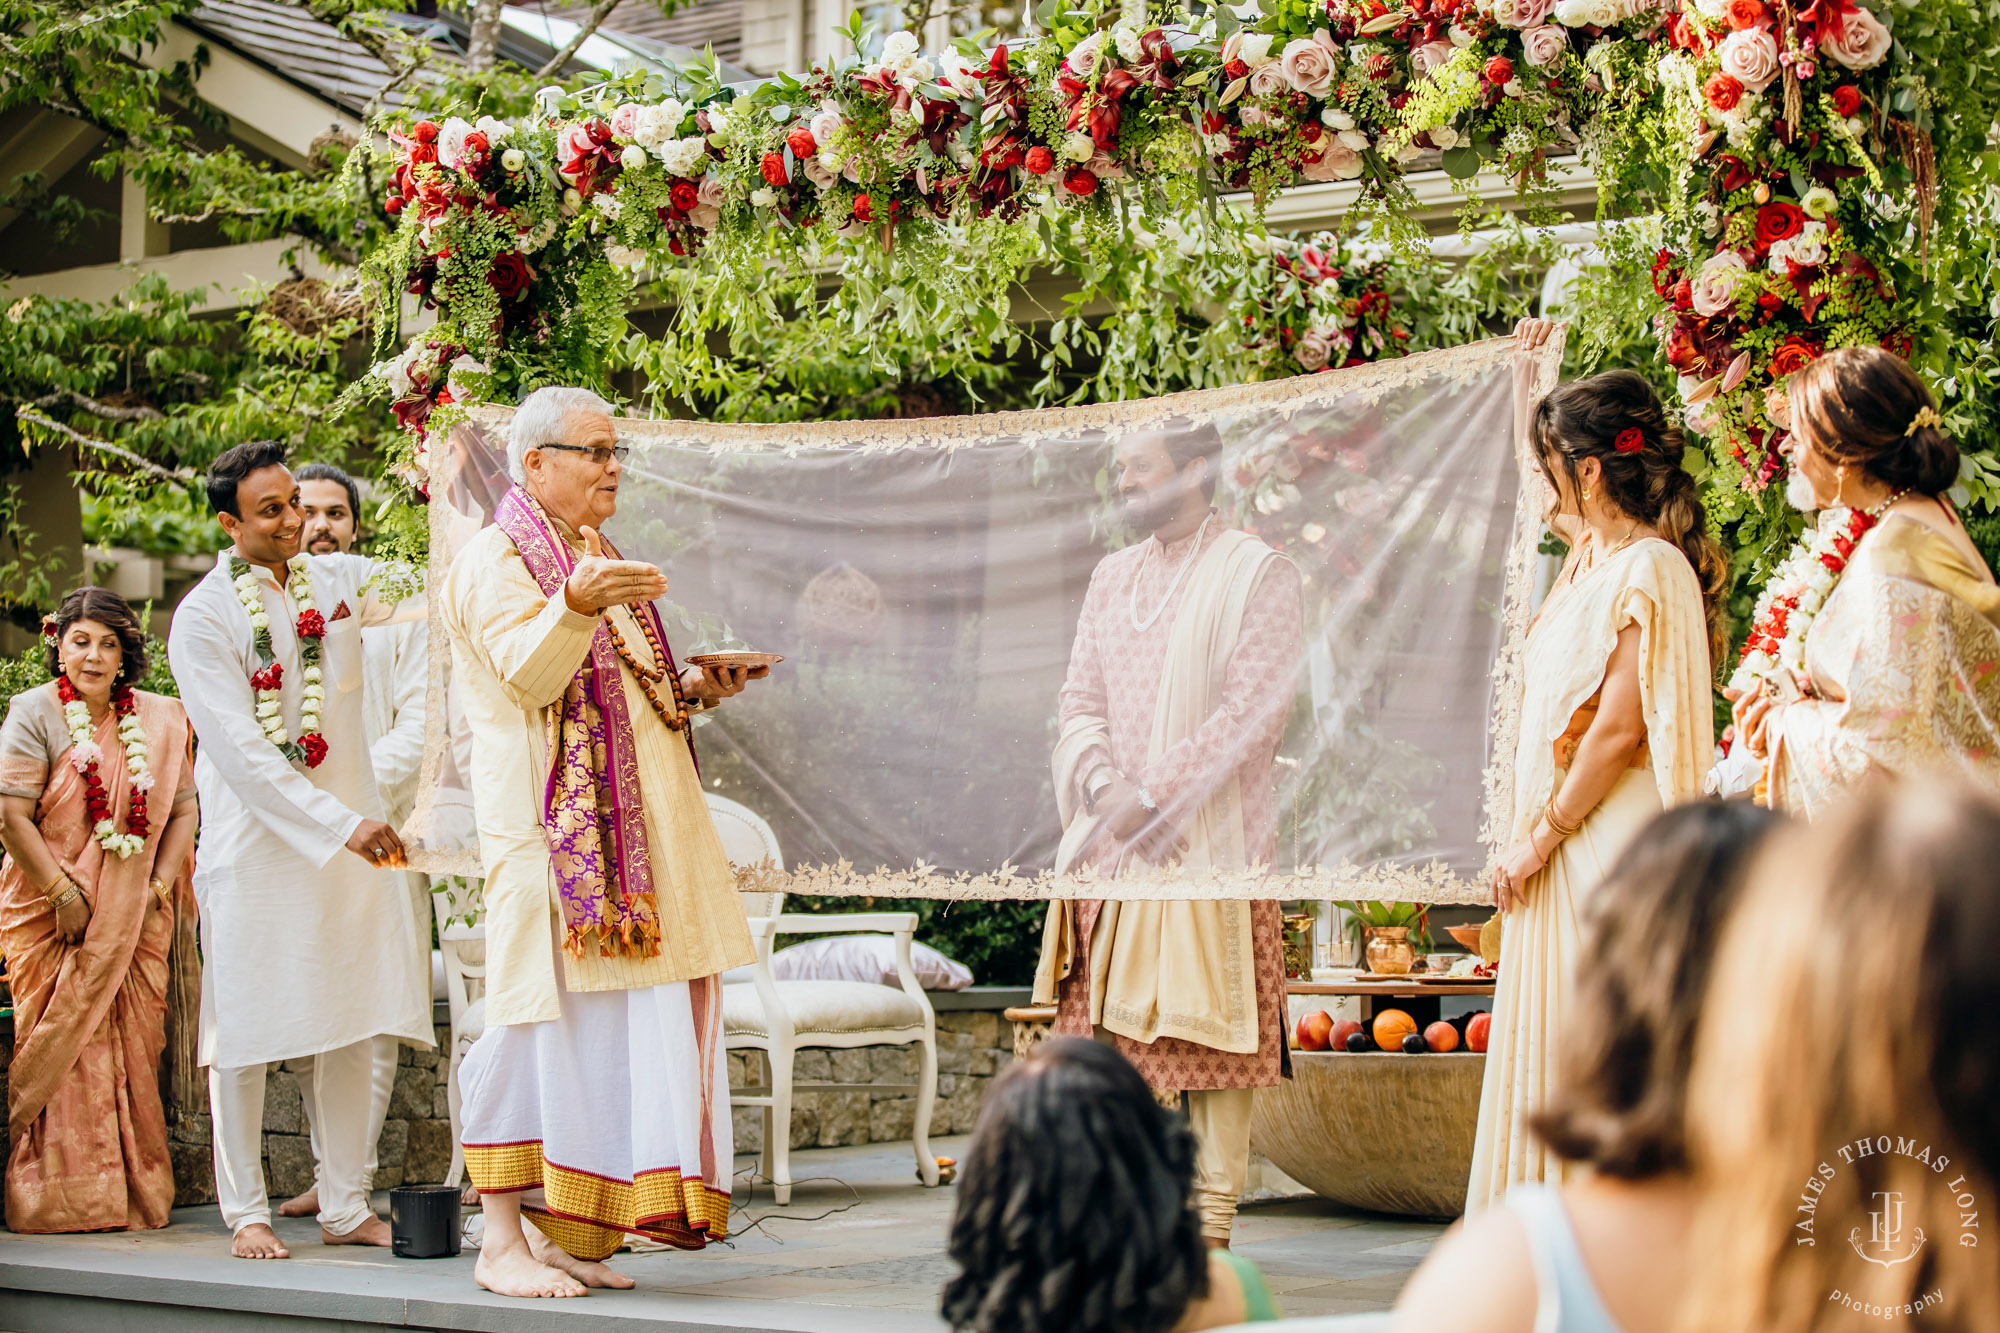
597	1101
308	949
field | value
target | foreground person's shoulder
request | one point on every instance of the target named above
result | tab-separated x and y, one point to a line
1226	1303
1478	1279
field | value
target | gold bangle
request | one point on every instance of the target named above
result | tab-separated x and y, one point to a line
61	876
1557	823
66	896
159	888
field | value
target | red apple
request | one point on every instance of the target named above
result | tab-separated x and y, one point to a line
1441	1037
1476	1030
1314	1029
1342	1030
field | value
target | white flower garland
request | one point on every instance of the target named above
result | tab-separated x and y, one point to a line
85	755
1797	592
268	680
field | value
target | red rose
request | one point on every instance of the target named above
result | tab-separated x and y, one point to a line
1846	99
1630	440
1079	180
312	625
801	142
1499	70
1234	70
772	168
1723	91
1040	160
864	208
315	747
1741	14
1792	356
686	196
426	131
1778	220
1681	294
509	275
270	678
478	144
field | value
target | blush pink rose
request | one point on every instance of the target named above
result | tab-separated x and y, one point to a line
1750	56
1544	44
1314	350
1267	79
1863	41
1308	66
1718	282
625	121
1337	162
1430	55
1521	13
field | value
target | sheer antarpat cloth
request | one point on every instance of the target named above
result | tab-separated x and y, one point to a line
927	582
1905	657
1649	585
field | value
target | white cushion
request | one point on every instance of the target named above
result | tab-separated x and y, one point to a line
866	958
471	1023
824	1007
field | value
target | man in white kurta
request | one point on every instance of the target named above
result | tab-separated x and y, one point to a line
394	677
596	1103
308	941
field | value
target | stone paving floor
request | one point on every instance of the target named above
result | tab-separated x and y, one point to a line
858	1235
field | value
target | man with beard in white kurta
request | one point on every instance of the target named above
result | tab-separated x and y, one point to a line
308	941
394	674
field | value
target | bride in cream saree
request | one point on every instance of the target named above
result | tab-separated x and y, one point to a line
1904	663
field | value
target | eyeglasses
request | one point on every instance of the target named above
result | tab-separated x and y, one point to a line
597	452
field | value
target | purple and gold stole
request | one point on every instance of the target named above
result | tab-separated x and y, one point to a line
593	816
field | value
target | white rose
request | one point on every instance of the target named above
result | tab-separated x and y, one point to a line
1083	53
1354	140
1445	137
1308	65
495	130
1588	13
451	141
1750	56
633	158
1718	282
259	620
267	708
1255	49
957	76
1125	36
1336	119
1544	45
900	46
621	256
103	826
513	160
824	126
1863	41
1819	202
311	673
763	197
1078	146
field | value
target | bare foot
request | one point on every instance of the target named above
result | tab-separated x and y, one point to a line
304	1206
515	1272
258	1241
589	1273
372	1232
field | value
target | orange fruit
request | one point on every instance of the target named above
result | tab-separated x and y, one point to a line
1391	1026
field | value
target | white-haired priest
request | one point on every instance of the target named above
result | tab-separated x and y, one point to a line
596	1103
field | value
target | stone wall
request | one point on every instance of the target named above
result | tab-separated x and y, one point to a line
973	1046
415	1147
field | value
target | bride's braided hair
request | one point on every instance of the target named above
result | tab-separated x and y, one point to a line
1643	476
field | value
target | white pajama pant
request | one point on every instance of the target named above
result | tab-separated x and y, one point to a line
388	1050
337	1094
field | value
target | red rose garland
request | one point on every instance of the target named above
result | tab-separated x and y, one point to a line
269	677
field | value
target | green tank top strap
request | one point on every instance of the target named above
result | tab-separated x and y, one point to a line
1258	1305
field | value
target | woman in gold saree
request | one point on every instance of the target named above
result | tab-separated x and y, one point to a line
1899	671
97	815
1615	719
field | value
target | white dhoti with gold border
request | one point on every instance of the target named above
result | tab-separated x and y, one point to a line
613	1118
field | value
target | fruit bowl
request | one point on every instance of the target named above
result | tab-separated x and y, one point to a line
1467	936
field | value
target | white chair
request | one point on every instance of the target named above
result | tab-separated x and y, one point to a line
461	927
781	1017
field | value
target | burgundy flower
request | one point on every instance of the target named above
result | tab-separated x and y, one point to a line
686	196
1080	181
510	275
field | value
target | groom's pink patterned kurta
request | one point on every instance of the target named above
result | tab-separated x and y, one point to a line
1114	673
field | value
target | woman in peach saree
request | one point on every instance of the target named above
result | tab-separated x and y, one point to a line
97	836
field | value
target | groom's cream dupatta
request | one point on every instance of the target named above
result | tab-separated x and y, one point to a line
1195	954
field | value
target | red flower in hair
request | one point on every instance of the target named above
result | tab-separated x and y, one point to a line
49	630
1630	440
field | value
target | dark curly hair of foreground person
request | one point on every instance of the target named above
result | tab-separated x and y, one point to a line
1074	1214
